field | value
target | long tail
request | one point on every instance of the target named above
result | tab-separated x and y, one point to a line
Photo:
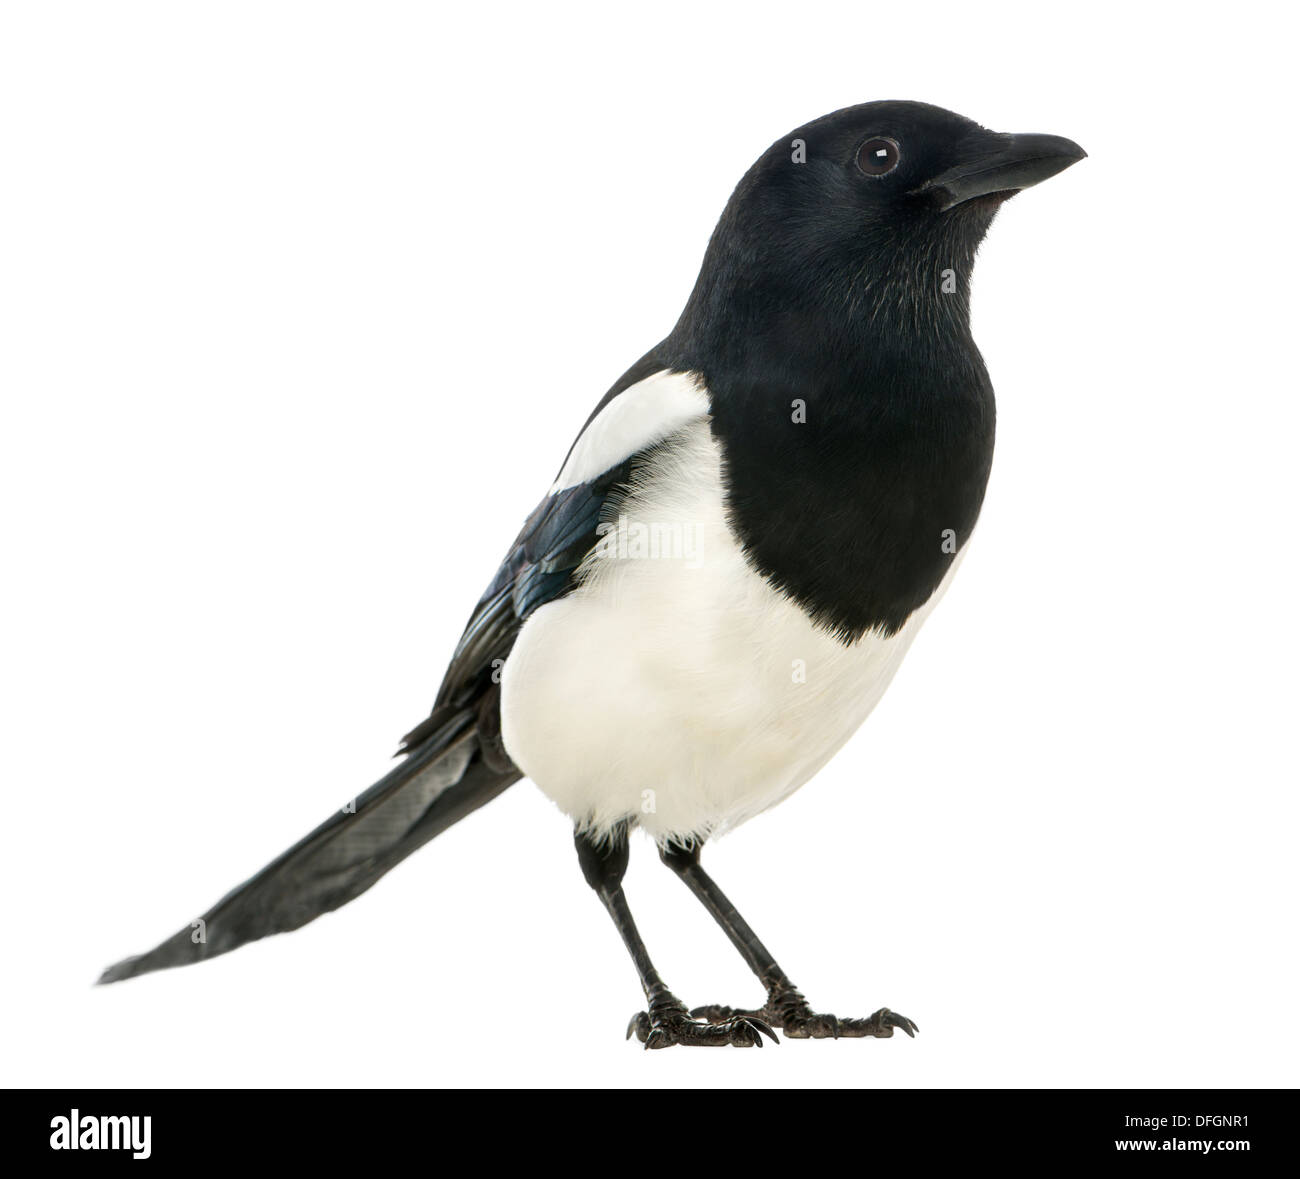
443	779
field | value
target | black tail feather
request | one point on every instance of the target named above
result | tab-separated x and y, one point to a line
441	781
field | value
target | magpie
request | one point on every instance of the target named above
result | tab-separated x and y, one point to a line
735	556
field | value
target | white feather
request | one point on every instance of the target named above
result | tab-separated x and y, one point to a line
643	414
678	688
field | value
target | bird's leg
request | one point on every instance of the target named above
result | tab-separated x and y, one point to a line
667	1021
785	1008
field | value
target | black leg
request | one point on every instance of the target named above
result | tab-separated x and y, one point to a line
785	1008
667	1022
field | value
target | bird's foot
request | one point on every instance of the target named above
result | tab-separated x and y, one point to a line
668	1023
819	1026
789	1011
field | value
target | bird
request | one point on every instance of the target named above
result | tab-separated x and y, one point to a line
733	560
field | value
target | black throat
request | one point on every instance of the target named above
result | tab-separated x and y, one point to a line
853	410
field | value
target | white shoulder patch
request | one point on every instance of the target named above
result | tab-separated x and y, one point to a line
643	414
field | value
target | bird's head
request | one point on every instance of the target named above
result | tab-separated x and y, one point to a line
898	166
873	211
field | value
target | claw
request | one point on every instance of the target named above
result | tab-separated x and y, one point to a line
888	1020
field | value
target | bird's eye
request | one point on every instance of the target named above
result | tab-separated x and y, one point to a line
878	156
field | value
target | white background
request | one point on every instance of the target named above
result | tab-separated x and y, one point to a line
301	307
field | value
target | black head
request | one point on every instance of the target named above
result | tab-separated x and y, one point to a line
872	211
898	165
830	324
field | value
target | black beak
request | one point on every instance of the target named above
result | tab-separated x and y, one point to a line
1004	163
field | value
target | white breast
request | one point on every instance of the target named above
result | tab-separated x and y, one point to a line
675	686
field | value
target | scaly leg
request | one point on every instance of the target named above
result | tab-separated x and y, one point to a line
667	1021
785	1008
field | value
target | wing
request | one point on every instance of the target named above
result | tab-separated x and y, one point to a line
643	409
457	760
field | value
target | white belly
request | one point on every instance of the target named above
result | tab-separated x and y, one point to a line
675	686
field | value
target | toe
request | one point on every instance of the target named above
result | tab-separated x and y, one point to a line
713	1013
821	1026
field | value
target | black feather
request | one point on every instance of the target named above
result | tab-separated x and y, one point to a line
826	288
439	784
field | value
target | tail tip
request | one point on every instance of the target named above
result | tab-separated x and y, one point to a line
117	972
